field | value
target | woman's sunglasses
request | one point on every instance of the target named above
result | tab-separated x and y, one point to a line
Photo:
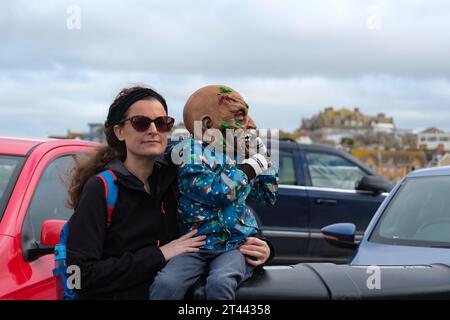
142	123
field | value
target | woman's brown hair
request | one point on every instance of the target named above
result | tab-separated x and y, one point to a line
96	161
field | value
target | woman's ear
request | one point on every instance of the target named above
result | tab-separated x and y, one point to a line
118	131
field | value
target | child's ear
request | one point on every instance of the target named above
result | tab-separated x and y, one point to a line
207	123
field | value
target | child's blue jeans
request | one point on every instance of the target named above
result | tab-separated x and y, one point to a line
226	271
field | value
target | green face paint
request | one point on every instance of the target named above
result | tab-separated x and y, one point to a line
225	125
225	90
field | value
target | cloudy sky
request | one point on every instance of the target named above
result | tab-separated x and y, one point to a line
62	62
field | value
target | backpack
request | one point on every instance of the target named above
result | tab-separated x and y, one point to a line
63	292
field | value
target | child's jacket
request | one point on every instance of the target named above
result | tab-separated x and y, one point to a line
213	191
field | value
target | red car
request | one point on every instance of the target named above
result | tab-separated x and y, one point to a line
32	210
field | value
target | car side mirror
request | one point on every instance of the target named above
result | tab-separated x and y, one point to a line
375	184
50	232
340	235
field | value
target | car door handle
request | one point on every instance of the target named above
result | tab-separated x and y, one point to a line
330	202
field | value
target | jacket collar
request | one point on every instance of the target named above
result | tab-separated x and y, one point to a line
162	177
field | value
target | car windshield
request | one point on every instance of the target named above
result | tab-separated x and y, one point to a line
418	215
9	167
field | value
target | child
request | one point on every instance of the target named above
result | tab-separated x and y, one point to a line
213	192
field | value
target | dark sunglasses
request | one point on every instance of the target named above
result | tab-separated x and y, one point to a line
142	123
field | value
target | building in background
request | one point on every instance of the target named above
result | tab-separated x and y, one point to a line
95	134
434	139
444	160
336	125
392	164
304	139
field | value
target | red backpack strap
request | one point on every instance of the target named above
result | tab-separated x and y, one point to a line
110	183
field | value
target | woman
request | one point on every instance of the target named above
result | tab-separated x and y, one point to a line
120	260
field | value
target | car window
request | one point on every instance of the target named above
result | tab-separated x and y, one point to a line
331	171
417	215
50	197
9	166
286	169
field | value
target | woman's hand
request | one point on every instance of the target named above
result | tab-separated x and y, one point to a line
257	251
186	243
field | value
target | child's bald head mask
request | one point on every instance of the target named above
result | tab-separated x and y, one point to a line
216	106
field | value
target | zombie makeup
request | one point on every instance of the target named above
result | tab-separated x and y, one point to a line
218	107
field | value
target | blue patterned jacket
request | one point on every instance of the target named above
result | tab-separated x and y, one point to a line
213	191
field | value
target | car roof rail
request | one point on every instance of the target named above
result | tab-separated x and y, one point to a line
287	139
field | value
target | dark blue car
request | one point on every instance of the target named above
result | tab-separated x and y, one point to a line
411	227
320	185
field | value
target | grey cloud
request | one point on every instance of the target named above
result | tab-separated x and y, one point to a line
255	38
288	58
55	104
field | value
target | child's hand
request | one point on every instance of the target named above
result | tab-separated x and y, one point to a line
186	243
257	251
